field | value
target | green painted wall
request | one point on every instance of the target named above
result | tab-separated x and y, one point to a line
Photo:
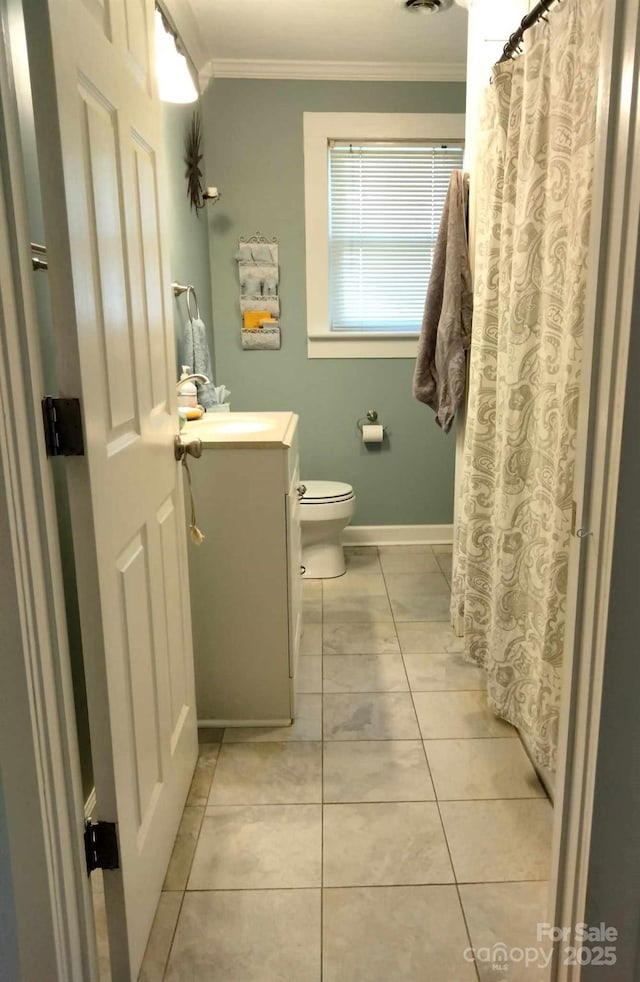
188	231
254	154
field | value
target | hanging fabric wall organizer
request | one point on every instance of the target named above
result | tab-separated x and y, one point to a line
259	275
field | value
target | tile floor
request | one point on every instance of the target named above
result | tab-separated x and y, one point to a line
396	823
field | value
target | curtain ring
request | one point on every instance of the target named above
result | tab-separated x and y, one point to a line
192	293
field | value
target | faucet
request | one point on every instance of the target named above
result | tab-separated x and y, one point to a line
192	378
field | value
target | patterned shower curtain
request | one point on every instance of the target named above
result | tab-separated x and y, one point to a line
534	188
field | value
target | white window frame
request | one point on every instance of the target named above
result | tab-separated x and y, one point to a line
319	129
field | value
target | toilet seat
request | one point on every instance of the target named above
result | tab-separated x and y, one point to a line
326	492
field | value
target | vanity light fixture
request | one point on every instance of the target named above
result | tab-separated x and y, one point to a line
175	83
430	5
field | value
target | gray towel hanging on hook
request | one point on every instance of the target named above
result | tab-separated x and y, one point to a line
196	350
440	374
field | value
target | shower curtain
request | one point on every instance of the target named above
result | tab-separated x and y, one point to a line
534	186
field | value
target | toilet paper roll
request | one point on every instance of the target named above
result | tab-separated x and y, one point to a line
372	433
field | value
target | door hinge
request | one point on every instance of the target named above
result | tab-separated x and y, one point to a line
62	420
101	846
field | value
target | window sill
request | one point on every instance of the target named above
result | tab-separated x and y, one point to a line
363	345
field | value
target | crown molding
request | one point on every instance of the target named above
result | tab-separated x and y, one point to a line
344	71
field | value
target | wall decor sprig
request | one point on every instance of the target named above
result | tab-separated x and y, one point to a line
197	195
259	275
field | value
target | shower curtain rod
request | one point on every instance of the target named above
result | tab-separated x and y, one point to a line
512	47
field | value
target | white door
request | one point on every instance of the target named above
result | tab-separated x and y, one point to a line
99	133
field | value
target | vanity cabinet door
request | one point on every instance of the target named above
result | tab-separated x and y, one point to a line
294	559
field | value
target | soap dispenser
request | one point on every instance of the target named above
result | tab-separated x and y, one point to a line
187	392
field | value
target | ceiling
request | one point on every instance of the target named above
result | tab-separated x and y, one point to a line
322	38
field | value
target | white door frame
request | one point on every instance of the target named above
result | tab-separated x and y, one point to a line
38	741
40	766
609	310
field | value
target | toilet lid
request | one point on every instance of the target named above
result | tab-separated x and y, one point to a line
325	491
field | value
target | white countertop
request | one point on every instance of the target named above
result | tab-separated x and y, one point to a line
242	430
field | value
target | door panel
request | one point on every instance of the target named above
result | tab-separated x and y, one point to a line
137	34
150	267
101	13
102	168
100	146
138	664
170	527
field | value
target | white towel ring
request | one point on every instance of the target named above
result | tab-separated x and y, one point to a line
191	293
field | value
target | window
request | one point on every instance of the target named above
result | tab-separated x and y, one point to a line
385	205
375	186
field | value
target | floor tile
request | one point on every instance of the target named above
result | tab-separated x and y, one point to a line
494	768
311	639
448	671
499	840
210	734
184	848
258	847
369	716
419	596
364	673
443	549
312	589
306	726
363	583
360	639
393	843
421	607
394	934
423	637
408	559
312	601
507	914
449	715
309	674
356	607
159	944
312	612
420	584
445	562
248	936
201	781
376	770
268	773
362	558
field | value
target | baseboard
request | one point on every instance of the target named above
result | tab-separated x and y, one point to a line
397	535
226	723
90	805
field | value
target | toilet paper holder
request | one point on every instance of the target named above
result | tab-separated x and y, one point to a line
371	417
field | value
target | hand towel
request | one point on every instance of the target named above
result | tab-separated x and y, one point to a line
440	373
198	357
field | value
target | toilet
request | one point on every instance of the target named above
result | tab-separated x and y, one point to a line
326	509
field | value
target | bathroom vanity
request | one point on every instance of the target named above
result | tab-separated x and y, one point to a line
245	578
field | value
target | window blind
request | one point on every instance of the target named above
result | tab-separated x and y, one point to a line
385	206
